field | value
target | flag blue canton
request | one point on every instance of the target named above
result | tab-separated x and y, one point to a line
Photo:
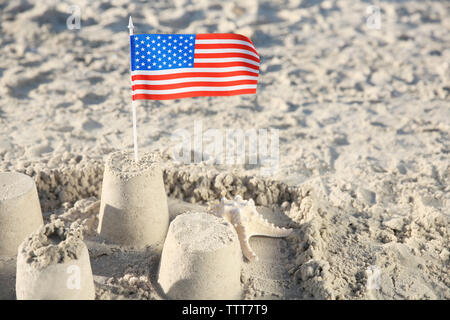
162	51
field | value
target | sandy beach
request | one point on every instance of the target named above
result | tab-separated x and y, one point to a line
362	112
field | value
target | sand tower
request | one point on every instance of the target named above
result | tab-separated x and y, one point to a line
133	210
53	264
201	259
20	211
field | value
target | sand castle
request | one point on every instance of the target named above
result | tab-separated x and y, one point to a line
201	252
20	211
133	208
201	259
53	263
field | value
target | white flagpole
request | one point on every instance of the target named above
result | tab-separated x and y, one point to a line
133	105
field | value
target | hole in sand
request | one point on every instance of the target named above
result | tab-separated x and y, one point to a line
55	239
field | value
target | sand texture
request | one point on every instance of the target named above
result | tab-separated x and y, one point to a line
123	165
14	185
363	117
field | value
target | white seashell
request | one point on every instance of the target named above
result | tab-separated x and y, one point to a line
242	214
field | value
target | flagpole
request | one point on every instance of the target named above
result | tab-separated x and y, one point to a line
133	105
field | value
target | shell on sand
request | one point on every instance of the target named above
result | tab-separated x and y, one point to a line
242	214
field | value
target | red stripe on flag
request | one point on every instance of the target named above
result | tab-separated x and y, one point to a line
193	74
225	55
231	36
192	94
192	84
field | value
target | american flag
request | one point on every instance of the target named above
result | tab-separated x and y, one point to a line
173	66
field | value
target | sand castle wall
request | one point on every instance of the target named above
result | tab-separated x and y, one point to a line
83	179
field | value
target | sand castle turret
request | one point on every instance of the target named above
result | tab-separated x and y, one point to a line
201	259
20	211
53	264
133	210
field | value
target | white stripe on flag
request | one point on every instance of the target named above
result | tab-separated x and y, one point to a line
226	51
199	79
